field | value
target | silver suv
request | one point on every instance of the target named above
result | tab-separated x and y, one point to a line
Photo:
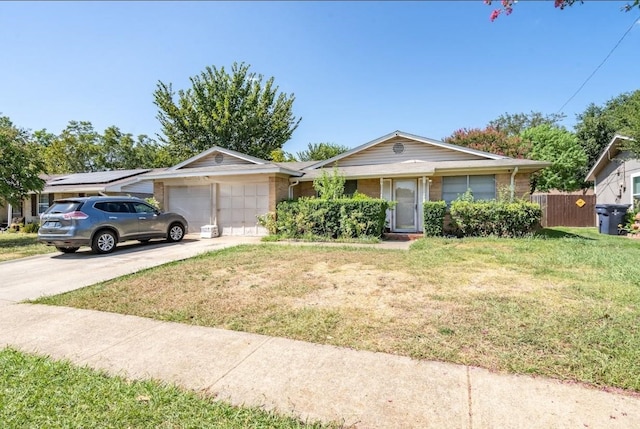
101	222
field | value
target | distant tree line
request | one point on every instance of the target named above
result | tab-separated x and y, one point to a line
541	137
243	111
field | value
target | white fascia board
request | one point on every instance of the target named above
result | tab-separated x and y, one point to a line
225	151
605	155
185	173
410	137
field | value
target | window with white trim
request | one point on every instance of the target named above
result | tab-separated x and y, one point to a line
482	187
43	203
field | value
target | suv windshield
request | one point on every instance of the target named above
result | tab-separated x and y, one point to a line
64	207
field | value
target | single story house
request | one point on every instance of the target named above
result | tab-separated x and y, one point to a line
616	175
229	189
118	182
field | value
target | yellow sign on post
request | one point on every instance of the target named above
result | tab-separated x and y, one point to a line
580	203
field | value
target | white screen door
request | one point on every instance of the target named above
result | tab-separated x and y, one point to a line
405	192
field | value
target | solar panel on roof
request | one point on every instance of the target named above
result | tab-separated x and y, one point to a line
96	177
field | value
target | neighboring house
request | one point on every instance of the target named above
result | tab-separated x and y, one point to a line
230	189
118	182
616	176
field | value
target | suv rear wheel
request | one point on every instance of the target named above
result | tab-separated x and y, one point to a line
176	232
103	242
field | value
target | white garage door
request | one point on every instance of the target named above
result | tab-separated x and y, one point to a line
192	202
239	205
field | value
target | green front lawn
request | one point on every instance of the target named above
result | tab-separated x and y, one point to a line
565	304
37	392
14	245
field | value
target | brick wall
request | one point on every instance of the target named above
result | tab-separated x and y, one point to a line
370	187
435	189
158	193
304	189
278	191
522	188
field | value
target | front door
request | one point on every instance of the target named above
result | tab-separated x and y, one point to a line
405	193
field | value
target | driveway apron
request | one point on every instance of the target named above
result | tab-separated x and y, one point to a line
51	274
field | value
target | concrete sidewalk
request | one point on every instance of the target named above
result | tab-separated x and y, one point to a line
359	389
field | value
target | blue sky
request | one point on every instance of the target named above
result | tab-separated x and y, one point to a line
358	70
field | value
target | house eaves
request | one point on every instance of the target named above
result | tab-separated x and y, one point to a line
420	139
427	168
63	189
229	170
609	152
230	152
490	166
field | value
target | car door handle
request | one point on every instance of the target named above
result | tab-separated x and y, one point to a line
113	217
142	218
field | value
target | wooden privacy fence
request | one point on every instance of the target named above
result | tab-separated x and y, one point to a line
566	209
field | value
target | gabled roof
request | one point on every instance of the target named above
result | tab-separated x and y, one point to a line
233	153
609	152
420	139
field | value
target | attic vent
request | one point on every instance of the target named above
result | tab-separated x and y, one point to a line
398	148
219	158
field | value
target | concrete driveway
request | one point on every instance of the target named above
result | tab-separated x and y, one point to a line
54	273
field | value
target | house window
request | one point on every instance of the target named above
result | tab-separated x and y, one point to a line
43	203
350	187
482	187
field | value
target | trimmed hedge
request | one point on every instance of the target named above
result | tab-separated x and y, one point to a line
434	212
500	218
345	217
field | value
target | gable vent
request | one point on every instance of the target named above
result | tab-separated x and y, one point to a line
219	158
398	148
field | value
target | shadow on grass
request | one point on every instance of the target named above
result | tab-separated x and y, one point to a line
548	233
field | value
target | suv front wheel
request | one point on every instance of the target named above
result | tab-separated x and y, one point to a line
103	242
176	232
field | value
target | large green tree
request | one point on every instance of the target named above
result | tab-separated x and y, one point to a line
502	135
20	164
512	124
238	110
75	150
490	140
79	148
560	147
118	150
321	151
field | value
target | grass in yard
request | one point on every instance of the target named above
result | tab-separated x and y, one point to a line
36	392
565	304
14	245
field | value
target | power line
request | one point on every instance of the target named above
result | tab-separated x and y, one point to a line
636	20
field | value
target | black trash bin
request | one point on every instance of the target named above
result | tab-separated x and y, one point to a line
610	216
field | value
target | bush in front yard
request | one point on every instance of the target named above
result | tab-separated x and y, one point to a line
499	218
31	228
434	212
336	218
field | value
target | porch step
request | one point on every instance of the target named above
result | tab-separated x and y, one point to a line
401	236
